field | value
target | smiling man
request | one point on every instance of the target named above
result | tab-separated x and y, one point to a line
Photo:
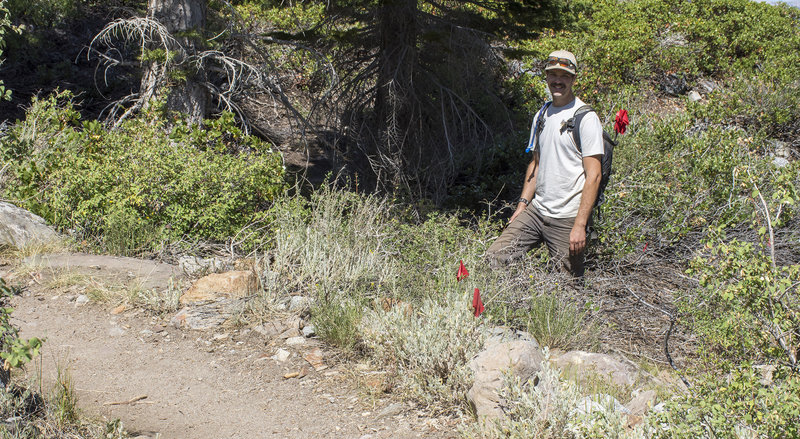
562	179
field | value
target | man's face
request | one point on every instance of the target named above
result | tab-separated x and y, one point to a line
560	84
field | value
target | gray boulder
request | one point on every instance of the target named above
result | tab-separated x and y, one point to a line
582	365
521	358
20	228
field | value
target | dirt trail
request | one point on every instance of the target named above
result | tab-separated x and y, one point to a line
221	384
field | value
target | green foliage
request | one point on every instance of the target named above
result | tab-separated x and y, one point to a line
558	324
620	45
145	183
5	26
337	317
43	13
746	307
742	404
15	351
429	347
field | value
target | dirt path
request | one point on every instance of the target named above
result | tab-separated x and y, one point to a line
164	382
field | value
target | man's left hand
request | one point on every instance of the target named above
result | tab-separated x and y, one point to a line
577	240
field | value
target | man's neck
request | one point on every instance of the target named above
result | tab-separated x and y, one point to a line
563	101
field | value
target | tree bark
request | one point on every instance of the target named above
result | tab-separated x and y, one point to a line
394	102
180	17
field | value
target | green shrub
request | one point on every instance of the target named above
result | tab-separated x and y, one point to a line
555	323
745	307
335	240
337	317
739	405
140	185
429	344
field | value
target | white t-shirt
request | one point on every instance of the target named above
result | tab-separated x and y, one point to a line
559	182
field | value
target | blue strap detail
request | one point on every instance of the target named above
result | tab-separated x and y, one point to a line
534	135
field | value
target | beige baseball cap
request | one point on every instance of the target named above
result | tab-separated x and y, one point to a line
563	60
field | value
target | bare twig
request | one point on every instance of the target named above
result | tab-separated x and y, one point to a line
130	401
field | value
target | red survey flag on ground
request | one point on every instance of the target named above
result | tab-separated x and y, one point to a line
477	303
462	271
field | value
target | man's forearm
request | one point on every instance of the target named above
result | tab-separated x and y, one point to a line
590	188
529	185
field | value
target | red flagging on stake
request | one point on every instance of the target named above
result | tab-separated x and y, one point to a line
462	271
477	303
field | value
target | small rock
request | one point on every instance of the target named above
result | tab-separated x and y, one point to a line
598	403
82	299
147	332
234	284
19	227
293	341
218	337
642	402
282	355
270	329
583	365
116	331
694	96
392	410
780	162
298	303
314	358
309	331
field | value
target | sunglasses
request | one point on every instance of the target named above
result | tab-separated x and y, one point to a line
563	62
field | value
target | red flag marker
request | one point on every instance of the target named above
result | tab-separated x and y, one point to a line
621	121
477	303
462	271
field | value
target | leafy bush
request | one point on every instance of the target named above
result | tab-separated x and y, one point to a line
429	346
336	239
746	307
5	26
14	351
140	185
740	405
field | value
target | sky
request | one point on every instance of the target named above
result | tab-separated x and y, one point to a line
795	3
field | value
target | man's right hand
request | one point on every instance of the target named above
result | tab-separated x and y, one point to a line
520	208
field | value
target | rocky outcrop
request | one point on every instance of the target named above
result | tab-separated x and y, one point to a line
212	299
20	228
521	358
215	286
582	365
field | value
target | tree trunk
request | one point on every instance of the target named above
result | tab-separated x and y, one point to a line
181	18
394	102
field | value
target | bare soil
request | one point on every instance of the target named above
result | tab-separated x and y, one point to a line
163	382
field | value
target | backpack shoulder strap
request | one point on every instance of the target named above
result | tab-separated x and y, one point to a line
575	121
537	126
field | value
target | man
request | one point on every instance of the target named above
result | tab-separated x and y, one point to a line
561	182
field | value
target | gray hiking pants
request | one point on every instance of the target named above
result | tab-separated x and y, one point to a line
530	229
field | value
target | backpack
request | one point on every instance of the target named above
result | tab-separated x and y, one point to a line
575	121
